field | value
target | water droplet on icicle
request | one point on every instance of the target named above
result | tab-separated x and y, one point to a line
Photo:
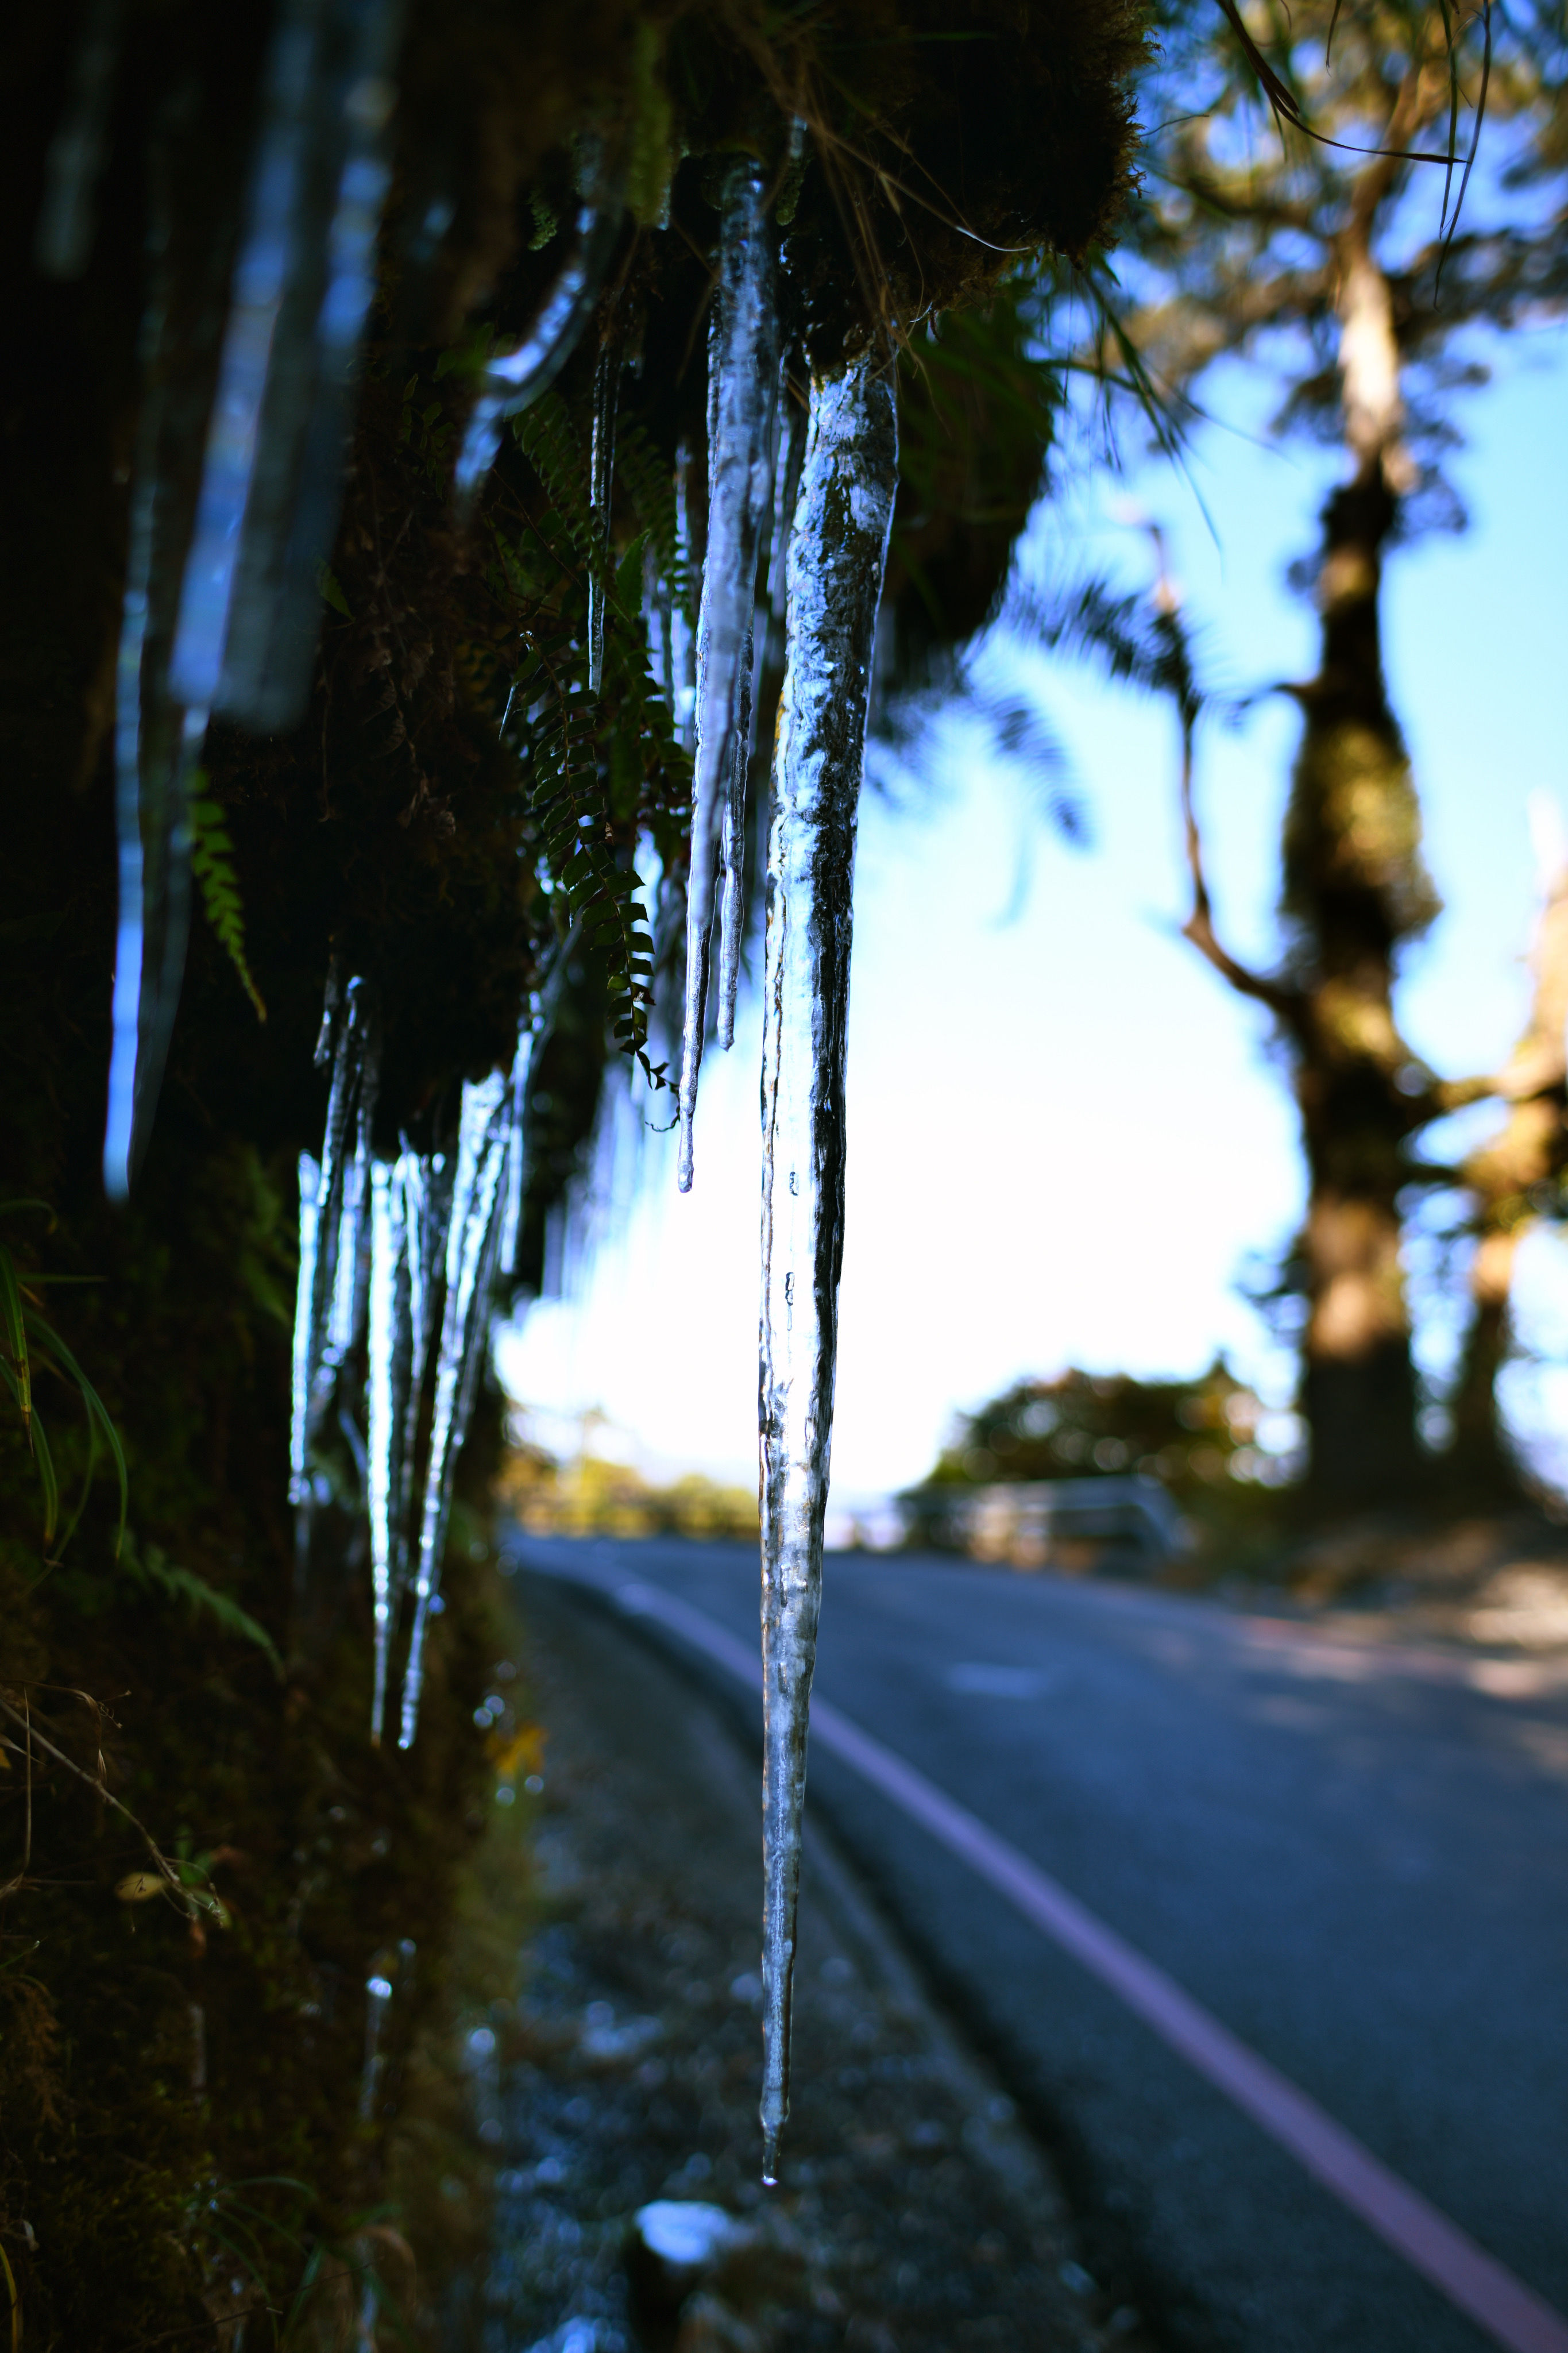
742	371
838	552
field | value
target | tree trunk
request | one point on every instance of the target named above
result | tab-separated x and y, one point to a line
1479	1462
1513	1176
1355	891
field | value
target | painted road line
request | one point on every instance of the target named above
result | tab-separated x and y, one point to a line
1484	2289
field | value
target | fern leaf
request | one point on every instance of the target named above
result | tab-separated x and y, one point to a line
150	1567
212	862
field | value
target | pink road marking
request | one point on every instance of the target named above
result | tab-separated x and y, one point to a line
1501	2305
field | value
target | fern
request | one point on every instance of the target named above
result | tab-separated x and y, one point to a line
601	768
652	488
212	862
149	1567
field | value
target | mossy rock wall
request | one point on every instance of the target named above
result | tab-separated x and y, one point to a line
180	2124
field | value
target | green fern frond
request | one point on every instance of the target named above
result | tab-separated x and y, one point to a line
148	1567
212	862
547	440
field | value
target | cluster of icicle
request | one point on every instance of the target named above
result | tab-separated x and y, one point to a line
399	1258
237	472
221	614
831	493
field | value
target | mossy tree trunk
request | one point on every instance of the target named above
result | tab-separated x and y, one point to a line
1354	891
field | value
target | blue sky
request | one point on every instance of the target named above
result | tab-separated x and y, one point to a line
1066	1135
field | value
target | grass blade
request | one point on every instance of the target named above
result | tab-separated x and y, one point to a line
95	1405
13	1324
47	1481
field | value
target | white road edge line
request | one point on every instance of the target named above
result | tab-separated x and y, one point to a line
1489	2293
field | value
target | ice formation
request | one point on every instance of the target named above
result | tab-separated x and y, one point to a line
763	639
602	470
156	744
837	551
388	1353
514	380
733	852
335	1268
250	605
229	623
400	1255
742	370
77	151
484	1144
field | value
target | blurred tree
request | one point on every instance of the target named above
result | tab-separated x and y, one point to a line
1346	269
1200	1437
1189	1434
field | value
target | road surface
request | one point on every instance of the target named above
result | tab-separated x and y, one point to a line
1352	1855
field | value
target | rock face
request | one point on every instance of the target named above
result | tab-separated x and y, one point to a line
271	696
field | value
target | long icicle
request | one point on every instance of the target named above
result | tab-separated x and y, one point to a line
250	605
732	856
837	552
156	744
346	1042
601	495
682	637
481	1162
389	1353
742	370
514	380
303	1365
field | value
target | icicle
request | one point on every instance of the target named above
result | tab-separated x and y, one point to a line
514	380
471	1235
157	749
682	640
303	1365
601	491
791	449
742	369
351	1276
658	615
333	1197
427	1194
156	746
389	1351
733	855
837	554
75	160
251	607
511	1214
342	1198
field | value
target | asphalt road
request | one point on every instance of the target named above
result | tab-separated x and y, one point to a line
1353	1856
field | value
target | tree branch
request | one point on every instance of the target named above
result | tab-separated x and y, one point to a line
1199	926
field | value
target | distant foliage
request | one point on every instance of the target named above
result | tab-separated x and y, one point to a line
1195	1436
593	1497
